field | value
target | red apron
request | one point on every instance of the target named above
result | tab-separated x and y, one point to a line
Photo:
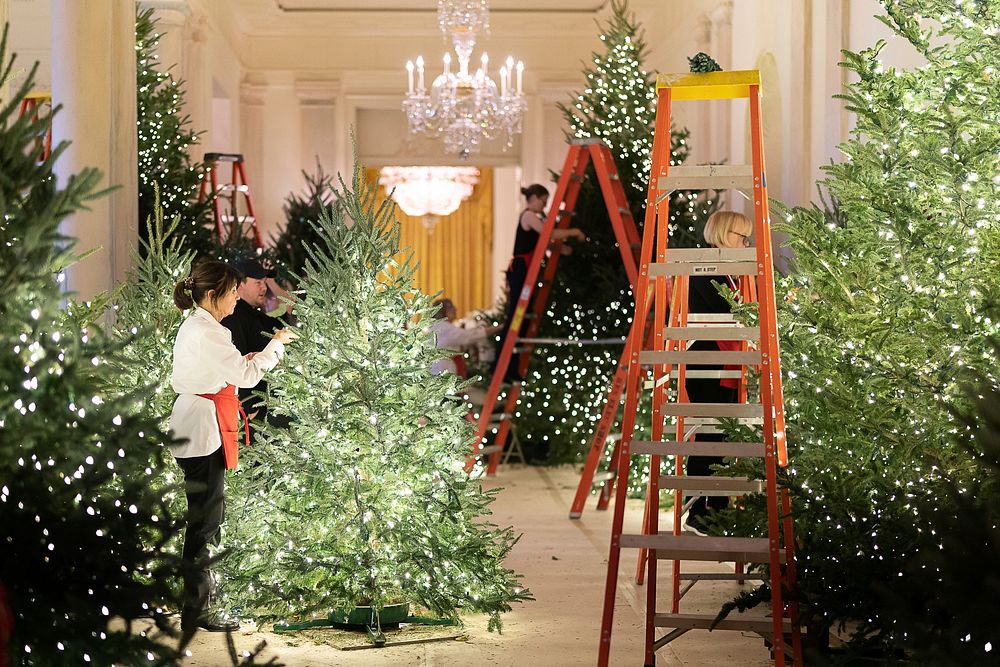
228	410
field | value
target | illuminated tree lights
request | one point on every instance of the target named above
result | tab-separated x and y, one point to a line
164	142
81	534
591	297
882	316
363	498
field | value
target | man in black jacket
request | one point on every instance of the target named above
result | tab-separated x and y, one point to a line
251	327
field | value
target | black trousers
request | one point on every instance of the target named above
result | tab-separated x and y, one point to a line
707	391
204	485
517	272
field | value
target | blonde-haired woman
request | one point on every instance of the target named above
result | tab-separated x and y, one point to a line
724	229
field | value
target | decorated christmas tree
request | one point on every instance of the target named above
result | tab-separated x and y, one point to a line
165	138
83	536
591	297
883	311
362	500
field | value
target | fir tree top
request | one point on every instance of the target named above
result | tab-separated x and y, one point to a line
702	62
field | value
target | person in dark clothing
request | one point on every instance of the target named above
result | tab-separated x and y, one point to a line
724	229
251	329
526	239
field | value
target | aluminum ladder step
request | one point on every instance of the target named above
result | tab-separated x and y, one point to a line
699	357
759	624
689	448
711	333
711	485
712	409
706	261
708	177
709	549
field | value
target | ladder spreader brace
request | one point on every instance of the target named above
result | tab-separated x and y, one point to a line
561	210
668	358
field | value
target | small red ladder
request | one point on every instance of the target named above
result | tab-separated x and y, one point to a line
236	186
668	359
31	105
561	209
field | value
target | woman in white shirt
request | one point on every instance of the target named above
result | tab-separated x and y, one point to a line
207	369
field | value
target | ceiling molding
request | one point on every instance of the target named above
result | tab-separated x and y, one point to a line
406	7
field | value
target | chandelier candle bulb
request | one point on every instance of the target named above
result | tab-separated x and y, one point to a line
503	81
447	64
409	75
420	73
520	74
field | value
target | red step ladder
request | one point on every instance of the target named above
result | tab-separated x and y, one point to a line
31	105
228	224
668	359
561	209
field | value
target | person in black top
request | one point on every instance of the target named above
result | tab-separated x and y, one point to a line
724	229
526	240
251	327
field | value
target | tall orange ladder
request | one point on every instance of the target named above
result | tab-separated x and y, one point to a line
561	210
668	360
231	222
31	105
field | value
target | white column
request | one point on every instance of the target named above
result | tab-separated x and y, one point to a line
277	140
320	140
197	83
93	78
171	22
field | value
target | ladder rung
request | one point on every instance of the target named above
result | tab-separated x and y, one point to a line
232	187
489	449
701	375
237	218
711	318
565	214
698	357
712	421
711	333
711	485
758	624
702	269
701	255
720	576
690	448
713	409
613	437
605	476
693	547
708	177
498	417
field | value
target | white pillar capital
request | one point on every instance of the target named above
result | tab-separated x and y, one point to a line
317	93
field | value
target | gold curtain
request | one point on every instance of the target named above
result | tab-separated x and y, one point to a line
457	255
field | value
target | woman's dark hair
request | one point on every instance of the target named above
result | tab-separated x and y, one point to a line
535	190
208	276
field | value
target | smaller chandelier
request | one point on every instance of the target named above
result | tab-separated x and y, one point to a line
464	107
429	192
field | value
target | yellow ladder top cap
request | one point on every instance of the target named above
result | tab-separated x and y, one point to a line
39	95
709	85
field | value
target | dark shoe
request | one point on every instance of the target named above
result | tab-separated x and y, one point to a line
214	623
693	524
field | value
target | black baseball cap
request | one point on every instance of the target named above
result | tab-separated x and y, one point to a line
251	268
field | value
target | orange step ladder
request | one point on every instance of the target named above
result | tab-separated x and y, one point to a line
227	224
668	359
31	105
561	210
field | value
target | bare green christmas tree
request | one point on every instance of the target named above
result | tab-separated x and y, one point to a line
883	311
363	499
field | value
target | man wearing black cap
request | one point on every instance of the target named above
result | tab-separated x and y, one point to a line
250	325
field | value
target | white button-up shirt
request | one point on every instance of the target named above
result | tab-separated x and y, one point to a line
205	361
451	337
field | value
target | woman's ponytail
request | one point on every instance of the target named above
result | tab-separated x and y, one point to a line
208	279
182	294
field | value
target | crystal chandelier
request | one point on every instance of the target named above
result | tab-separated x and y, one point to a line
465	107
429	192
